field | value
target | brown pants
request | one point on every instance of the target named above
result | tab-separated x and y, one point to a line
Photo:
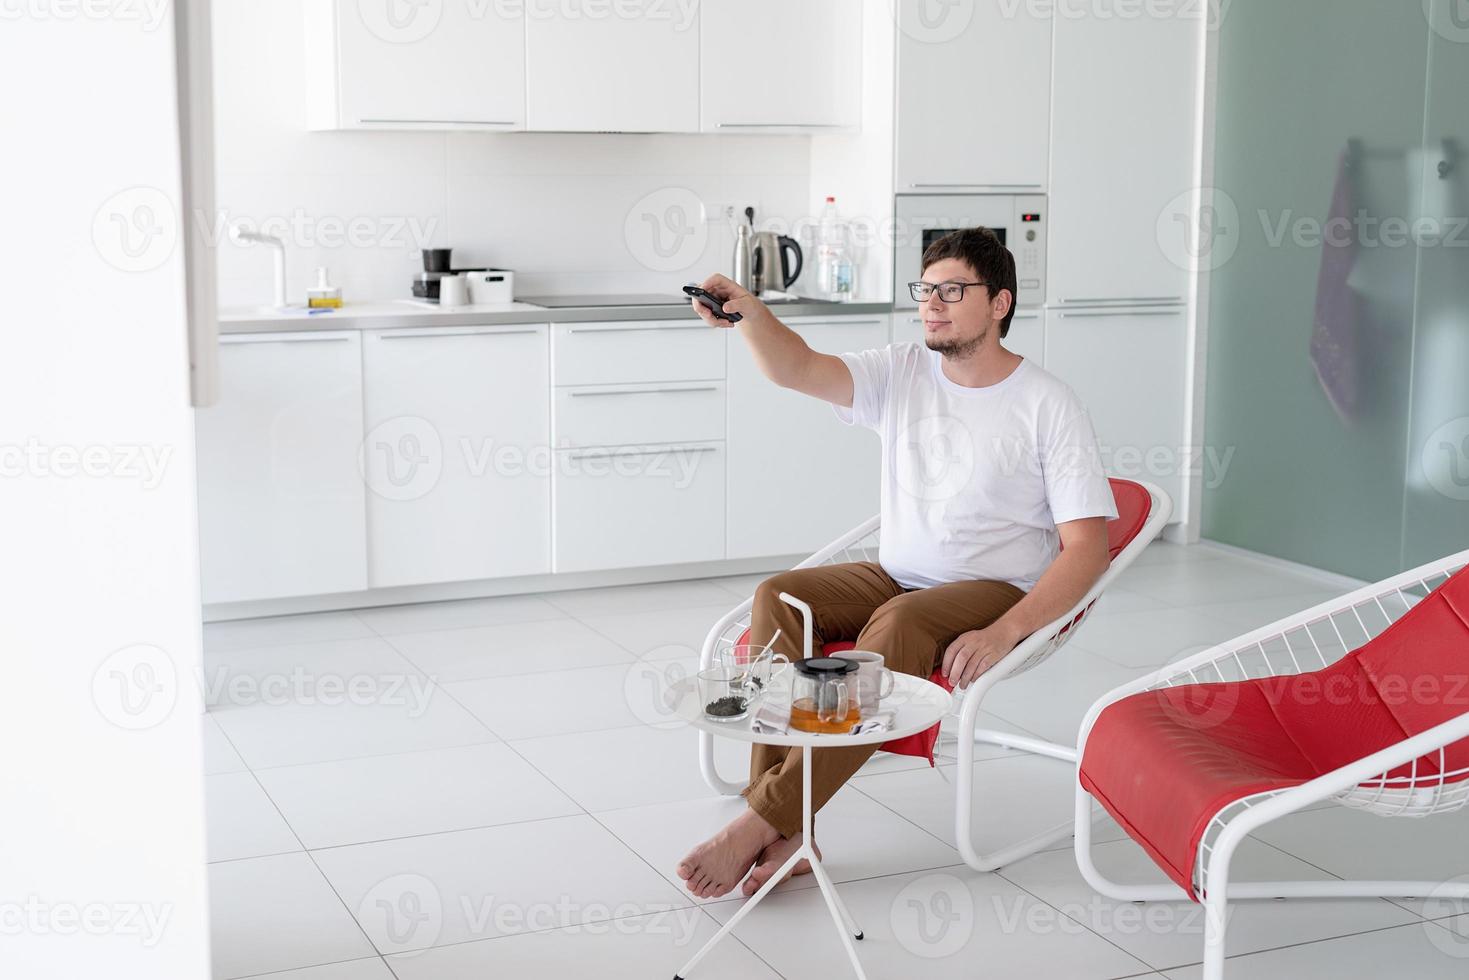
857	601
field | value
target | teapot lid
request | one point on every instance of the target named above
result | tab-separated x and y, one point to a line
823	667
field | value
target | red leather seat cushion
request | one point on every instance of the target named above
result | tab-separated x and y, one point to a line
1164	763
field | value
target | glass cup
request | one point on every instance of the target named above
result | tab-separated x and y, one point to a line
761	667
725	693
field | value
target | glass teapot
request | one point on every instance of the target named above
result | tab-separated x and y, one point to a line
824	696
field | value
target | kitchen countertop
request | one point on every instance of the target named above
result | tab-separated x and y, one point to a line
409	313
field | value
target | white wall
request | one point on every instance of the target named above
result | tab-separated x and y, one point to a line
554	207
857	169
101	800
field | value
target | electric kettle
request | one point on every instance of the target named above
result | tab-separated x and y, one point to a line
773	269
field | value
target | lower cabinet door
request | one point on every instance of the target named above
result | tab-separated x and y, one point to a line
457	455
639	505
1128	367
280	497
798	476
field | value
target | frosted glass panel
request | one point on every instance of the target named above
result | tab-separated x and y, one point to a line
1320	117
1437	506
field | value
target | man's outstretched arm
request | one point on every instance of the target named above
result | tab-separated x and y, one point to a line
1082	561
780	353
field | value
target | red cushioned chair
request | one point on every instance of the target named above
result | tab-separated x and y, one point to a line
1142	511
1362	701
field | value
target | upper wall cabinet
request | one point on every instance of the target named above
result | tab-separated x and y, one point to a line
628	66
1122	143
777	66
974	96
385	64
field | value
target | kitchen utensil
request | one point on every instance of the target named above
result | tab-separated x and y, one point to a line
823	698
773	271
874	681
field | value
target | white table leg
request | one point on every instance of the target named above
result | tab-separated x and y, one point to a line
743	911
845	924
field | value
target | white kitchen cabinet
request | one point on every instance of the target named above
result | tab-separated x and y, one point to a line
630	66
281	501
457	453
778	66
1128	367
798	477
635	506
1027	333
454	64
974	96
1122	150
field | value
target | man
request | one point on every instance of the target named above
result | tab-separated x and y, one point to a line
989	464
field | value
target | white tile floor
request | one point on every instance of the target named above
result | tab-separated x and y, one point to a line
486	788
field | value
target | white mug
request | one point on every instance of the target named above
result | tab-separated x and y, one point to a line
874	681
454	291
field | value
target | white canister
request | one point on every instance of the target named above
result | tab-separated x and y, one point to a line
489	287
453	291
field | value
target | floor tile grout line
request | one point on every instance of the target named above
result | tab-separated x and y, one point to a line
538	932
1303	943
731	937
999	873
312	966
506	742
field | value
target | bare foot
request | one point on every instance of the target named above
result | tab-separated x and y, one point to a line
771	860
717	865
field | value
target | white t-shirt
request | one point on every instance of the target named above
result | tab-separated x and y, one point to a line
975	480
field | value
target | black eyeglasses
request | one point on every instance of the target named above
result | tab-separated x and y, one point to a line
949	292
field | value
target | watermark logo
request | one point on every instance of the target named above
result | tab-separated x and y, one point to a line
36	917
402	458
144	464
935	458
1448	899
665	231
1198	231
934	21
1199	705
400	21
1449	19
404	912
933	916
149	14
136	687
136	230
649	686
1445	459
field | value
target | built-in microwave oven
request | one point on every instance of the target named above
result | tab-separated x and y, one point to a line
1019	220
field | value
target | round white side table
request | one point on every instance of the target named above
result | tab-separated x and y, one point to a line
918	705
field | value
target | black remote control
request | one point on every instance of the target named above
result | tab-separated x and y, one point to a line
713	305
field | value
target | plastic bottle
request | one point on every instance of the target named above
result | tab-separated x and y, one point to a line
836	272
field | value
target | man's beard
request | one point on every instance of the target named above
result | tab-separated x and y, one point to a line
956	350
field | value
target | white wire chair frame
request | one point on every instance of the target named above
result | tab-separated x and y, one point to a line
861	544
1303	642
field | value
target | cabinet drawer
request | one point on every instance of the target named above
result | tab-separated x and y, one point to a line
634	351
638	506
639	414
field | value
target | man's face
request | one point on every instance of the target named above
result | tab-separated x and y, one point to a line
958	329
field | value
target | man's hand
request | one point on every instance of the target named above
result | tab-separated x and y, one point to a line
736	299
975	652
